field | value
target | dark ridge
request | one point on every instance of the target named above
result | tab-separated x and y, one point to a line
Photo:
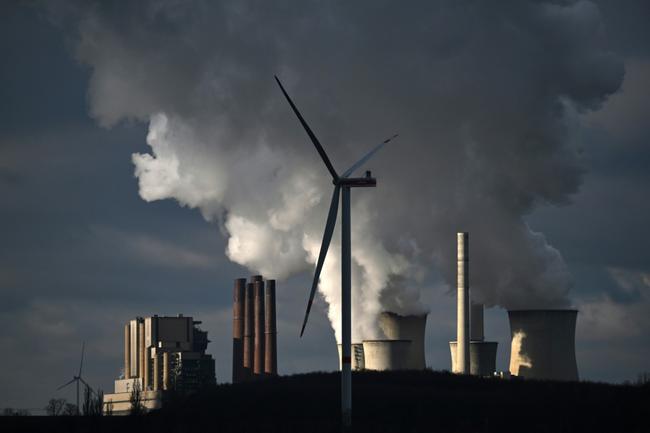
406	401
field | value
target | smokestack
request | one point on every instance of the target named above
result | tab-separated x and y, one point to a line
476	322
166	384
462	336
239	292
543	344
127	351
248	331
270	332
258	358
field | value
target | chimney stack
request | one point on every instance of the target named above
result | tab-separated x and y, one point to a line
462	338
239	293
270	332
258	358
248	331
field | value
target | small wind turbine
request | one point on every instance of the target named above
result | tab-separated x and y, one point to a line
78	378
340	182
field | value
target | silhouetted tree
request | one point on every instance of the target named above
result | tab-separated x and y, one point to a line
70	409
55	406
93	402
8	411
137	407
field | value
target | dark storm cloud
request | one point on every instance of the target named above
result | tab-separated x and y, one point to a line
488	97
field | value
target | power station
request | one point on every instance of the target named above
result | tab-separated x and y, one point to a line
168	353
542	342
161	353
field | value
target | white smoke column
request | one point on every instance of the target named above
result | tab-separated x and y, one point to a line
486	97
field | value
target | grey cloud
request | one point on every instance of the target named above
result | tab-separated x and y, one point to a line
487	98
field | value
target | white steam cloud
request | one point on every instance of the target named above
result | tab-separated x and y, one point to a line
484	95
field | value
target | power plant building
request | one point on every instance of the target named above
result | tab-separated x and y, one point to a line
254	331
161	353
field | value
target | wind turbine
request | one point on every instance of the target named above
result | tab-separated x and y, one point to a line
78	378
345	183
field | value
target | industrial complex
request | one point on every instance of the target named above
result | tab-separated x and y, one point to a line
162	354
542	341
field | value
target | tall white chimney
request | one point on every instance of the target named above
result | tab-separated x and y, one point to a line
463	335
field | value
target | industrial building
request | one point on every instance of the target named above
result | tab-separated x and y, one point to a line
161	354
542	344
254	331
470	353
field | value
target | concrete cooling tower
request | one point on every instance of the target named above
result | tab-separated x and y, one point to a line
383	355
397	327
482	357
543	344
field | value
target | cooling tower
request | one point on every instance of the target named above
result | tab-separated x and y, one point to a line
358	357
543	344
396	327
386	354
482	357
482	354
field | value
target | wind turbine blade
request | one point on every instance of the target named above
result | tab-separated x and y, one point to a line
314	140
368	155
83	346
327	237
66	384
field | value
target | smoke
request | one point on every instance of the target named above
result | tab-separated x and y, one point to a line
486	96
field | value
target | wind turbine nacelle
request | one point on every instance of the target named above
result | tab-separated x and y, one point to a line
358	182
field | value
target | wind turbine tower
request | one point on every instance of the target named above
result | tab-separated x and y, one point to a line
78	378
345	183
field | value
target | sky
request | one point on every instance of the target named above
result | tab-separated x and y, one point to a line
147	159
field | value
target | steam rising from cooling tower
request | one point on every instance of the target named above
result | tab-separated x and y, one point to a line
488	126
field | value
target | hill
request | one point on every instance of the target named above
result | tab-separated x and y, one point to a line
407	401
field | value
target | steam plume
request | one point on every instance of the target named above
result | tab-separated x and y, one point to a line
486	96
